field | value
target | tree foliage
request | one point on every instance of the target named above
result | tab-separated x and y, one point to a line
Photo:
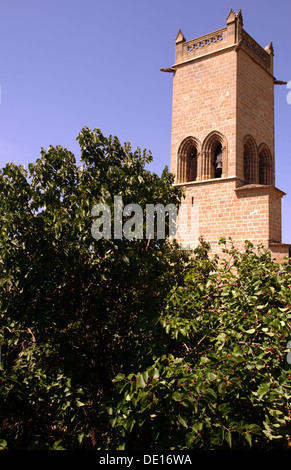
131	344
75	311
225	382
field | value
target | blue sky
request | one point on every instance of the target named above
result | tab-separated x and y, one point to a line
65	64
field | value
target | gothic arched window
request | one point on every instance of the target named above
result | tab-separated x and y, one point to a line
250	160
266	167
214	160
188	160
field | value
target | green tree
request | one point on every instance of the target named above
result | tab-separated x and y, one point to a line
76	311
224	381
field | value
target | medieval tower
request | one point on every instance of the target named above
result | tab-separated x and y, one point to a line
222	146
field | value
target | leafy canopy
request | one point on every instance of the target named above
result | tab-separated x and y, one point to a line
225	380
76	311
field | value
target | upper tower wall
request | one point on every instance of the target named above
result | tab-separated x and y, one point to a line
223	86
232	35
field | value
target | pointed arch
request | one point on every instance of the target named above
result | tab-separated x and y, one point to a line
251	172
214	149
266	165
188	160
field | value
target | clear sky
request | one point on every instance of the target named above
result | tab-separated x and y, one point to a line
65	64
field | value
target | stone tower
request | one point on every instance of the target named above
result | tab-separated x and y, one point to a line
222	147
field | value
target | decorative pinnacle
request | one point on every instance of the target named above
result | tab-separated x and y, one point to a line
239	17
270	48
231	16
180	37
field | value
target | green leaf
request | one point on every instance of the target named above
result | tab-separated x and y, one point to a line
58	445
145	377
140	381
129	423
109	410
119	377
80	437
228	438
3	444
190	438
156	374
79	403
177	396
198	426
210	376
251	331
211	394
248	438
182	421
